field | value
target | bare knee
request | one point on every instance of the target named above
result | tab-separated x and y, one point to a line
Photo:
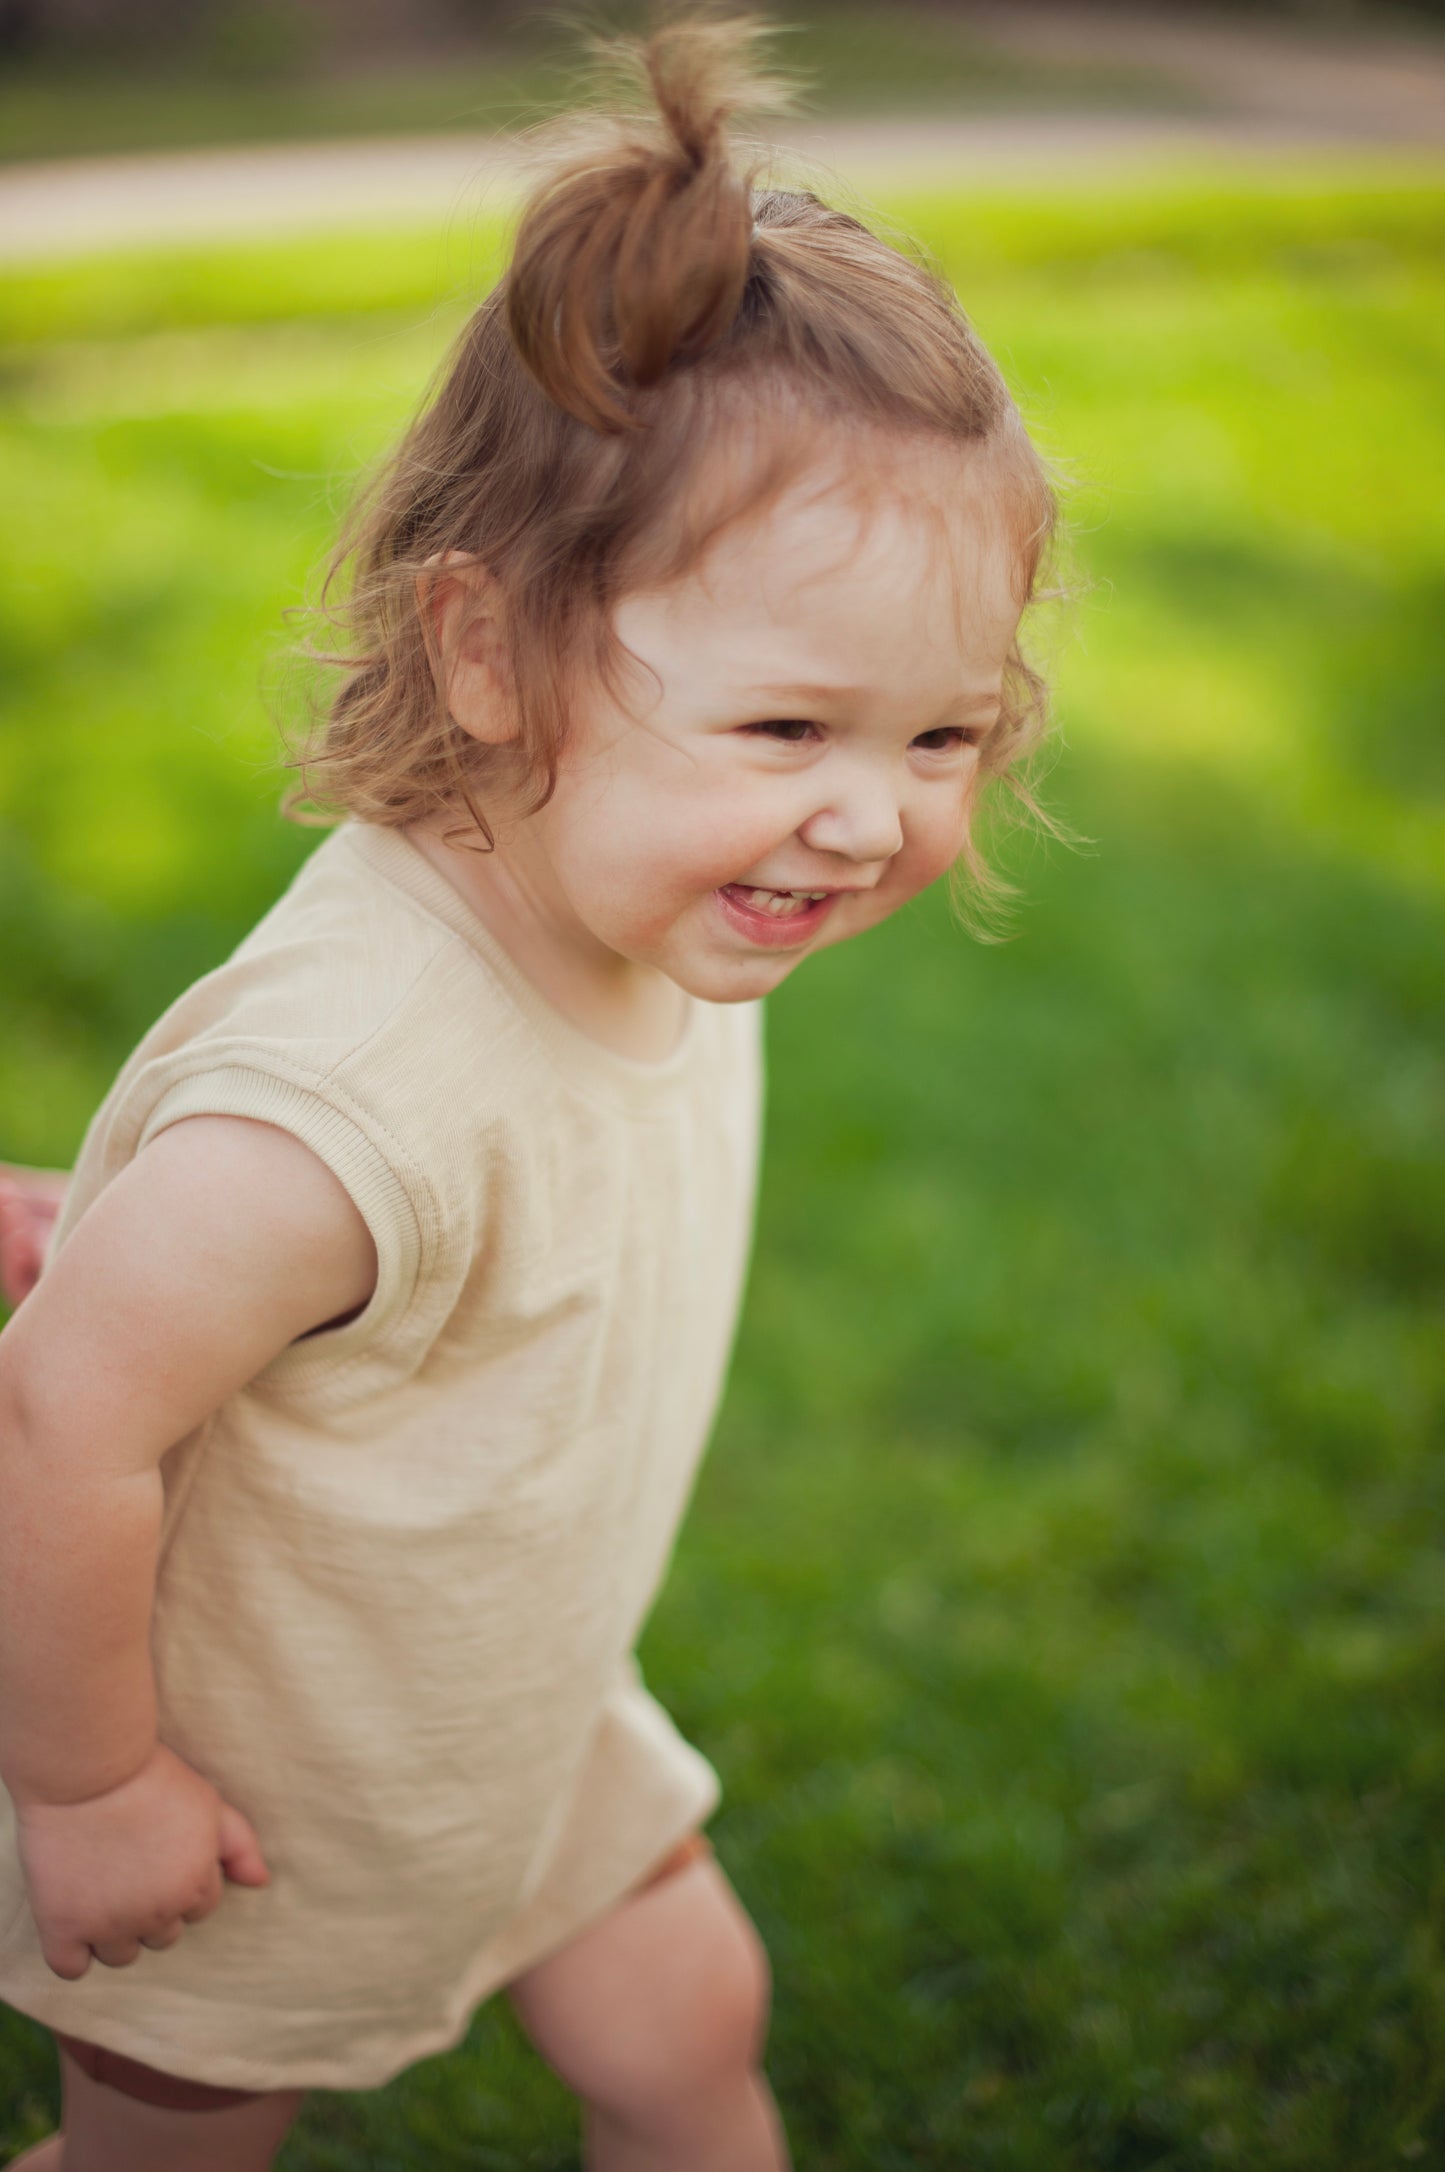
705	2036
664	2003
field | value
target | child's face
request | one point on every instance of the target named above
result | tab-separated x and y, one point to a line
822	682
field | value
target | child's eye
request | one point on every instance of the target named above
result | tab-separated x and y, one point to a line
791	730
945	739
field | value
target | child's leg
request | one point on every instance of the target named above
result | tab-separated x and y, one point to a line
105	2129
655	2018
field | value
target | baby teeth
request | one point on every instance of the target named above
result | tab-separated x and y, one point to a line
778	902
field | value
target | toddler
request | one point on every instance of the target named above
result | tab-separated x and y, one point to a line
347	1426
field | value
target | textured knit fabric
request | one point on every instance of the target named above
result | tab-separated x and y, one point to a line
403	1570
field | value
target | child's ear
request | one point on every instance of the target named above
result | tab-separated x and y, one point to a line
461	605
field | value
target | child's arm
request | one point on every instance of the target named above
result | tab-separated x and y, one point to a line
221	1243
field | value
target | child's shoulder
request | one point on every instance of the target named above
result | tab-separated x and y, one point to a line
349	1009
346	944
349	972
359	1021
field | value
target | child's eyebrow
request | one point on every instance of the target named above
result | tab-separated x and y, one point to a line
828	690
801	690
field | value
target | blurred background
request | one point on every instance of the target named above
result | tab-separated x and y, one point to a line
1064	1599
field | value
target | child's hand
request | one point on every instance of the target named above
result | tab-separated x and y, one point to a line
30	1200
132	1867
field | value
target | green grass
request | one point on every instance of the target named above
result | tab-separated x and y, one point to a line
1064	1599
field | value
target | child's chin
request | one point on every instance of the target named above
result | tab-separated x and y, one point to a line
736	980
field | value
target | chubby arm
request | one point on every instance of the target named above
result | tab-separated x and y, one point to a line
220	1244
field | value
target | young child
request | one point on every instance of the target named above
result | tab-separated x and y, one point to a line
346	1432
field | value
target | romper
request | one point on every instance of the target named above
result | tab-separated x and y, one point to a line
403	1570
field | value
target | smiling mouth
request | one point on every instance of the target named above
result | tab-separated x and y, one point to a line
780	904
774	918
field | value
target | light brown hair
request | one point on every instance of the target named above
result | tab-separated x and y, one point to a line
658	302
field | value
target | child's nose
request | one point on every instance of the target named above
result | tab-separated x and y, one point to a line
859	818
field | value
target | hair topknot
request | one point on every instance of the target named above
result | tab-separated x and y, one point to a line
634	255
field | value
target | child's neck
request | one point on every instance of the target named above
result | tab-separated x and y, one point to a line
632	1009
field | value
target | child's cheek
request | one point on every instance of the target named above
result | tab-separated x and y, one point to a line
720	844
936	847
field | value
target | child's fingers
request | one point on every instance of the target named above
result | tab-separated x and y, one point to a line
21	1243
19	1269
116	1952
28	1213
159	1940
209	1901
240	1850
66	1956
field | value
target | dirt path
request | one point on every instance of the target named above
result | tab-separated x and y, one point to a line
1278	91
1351	82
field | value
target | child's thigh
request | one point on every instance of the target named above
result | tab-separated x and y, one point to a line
665	1994
108	2131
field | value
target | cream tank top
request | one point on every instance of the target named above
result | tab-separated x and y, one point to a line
402	1572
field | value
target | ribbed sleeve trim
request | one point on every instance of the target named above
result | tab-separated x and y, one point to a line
341	1140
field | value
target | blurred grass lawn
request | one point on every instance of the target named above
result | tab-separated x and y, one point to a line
250	73
1064	1601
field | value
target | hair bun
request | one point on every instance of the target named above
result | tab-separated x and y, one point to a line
633	255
